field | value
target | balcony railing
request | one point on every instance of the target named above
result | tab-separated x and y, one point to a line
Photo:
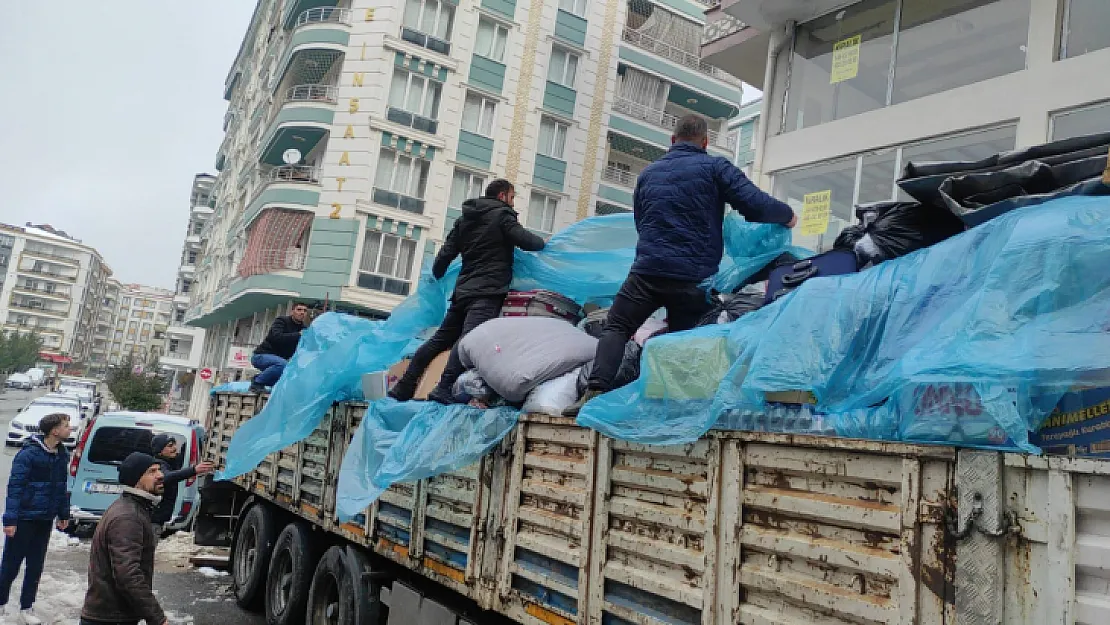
403	202
294	173
311	93
435	44
619	176
678	55
38	252
176	355
44	292
40	309
324	15
668	121
412	120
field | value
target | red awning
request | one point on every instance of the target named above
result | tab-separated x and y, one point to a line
58	358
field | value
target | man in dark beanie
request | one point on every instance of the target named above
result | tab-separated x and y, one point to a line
121	560
165	450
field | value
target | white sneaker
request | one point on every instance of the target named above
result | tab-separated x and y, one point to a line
26	617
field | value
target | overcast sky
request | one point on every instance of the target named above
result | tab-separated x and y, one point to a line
108	108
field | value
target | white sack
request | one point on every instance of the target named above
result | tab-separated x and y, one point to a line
516	354
554	396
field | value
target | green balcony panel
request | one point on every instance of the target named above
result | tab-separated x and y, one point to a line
501	7
284	197
559	99
550	172
325	35
331	250
299	127
570	27
686	76
453	215
475	150
412	64
614	194
487	74
640	130
708	107
695	10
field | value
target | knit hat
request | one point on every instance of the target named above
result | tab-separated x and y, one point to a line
159	442
131	470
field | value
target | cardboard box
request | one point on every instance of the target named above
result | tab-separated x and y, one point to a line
1079	426
432	375
791	397
394	373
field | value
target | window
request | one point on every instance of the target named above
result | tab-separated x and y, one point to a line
125	302
563	67
110	445
464	186
491	40
478	114
386	263
577	7
942	46
400	181
541	212
841	64
428	23
191	258
414	100
1086	27
1088	120
553	138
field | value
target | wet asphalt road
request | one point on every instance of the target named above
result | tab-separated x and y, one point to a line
188	596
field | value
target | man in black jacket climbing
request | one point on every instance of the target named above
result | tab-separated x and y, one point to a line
485	237
274	352
165	450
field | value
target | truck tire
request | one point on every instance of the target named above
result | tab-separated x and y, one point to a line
368	595
339	594
250	556
290	576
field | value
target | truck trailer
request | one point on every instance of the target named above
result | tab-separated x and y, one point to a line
560	525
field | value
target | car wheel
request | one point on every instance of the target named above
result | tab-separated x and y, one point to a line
290	576
250	556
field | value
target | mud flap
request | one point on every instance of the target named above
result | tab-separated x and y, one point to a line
214	524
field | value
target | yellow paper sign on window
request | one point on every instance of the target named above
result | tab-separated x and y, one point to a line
845	60
816	208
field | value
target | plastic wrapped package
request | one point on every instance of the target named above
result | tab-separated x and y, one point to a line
470	386
1017	303
729	308
626	374
749	248
554	396
516	354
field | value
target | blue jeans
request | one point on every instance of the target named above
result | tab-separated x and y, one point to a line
270	367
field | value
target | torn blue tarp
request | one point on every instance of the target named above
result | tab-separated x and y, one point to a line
587	262
1008	311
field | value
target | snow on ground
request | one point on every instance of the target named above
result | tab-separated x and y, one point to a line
61	540
176	550
208	571
61	594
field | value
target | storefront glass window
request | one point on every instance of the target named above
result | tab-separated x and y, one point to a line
877	176
841	64
1086	27
838	179
944	45
966	147
1085	121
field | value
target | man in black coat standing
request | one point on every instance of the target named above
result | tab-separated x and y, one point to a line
485	236
274	352
165	450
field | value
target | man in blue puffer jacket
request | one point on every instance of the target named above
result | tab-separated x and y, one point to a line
37	501
679	206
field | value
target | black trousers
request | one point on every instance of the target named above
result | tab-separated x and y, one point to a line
639	297
29	544
462	316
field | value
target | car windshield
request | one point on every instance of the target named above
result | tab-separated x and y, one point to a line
35	412
112	444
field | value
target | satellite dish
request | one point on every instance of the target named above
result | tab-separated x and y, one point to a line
292	156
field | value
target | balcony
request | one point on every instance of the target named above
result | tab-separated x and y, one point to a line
300	119
297	174
51	256
677	55
40	310
668	121
412	120
48	275
318	34
619	176
399	201
311	93
41	292
435	44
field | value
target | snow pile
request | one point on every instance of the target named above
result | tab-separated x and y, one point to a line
208	571
60	541
61	595
178	548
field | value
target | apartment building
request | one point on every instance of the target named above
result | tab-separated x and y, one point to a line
355	131
184	342
746	126
51	284
854	90
140	324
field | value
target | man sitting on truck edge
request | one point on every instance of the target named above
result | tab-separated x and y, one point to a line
37	495
164	448
485	236
275	351
679	208
121	557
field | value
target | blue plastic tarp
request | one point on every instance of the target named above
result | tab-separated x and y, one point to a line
1000	320
587	262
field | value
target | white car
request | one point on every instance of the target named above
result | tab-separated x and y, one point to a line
26	423
60	399
20	381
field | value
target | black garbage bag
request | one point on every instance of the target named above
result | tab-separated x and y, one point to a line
733	308
894	229
627	374
848	238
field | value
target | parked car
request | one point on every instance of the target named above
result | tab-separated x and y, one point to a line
61	399
103	445
38	376
84	388
20	381
26	423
